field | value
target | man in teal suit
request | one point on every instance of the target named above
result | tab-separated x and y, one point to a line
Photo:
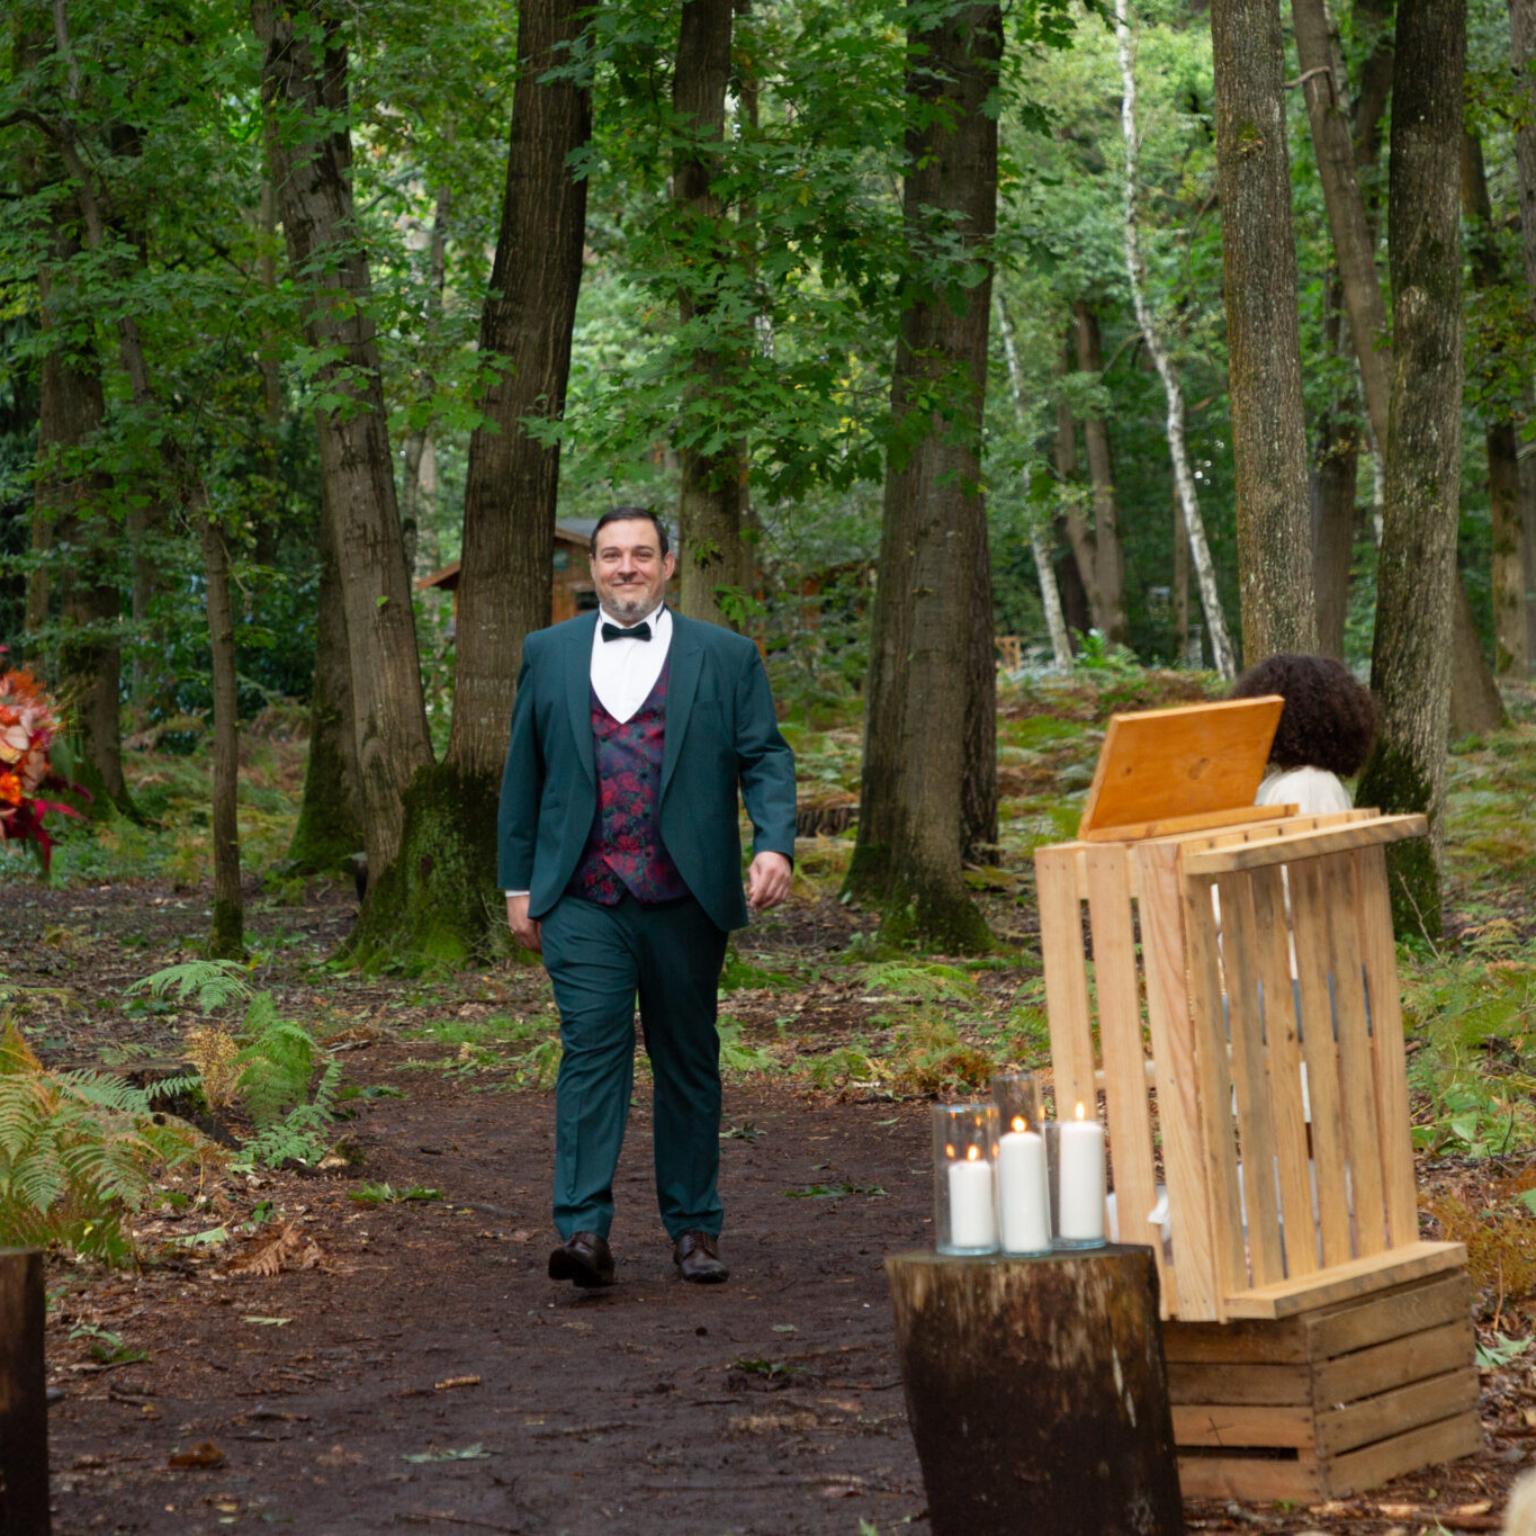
620	855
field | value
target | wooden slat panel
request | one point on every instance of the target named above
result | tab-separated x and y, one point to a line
1365	1372
1066	977
1428	1446
1247	1384
1260	1479
1357	1062
1283	1048
1120	1044
1171	826
1214	1079
1396	1411
1413	1308
1343	1281
1310	915
1196	1293
1237	1344
1255	1134
1236	1425
1280	850
1379	953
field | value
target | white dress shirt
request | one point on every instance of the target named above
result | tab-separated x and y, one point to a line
625	671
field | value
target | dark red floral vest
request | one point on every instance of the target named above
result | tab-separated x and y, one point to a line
624	849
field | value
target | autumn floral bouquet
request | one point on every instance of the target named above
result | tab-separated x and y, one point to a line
29	722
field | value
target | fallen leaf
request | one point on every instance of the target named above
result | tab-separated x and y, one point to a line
204	1454
269	1322
286	1248
457	1381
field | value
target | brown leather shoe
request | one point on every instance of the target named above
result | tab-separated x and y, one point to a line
697	1256
583	1259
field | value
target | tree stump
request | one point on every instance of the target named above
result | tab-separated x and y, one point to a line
1037	1393
23	1395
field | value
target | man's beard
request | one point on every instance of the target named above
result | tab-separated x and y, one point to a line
630	604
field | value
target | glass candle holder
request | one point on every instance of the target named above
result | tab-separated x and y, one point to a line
964	1177
1023	1188
1074	1152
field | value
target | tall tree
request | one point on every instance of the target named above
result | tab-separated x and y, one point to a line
907	856
1411	656
441	898
1501	432
1522	47
309	145
713	555
1269	443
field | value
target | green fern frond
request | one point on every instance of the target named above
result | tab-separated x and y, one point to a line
217	983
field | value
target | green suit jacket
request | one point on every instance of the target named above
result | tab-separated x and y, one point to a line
721	735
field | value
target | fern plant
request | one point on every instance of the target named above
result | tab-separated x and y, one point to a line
78	1151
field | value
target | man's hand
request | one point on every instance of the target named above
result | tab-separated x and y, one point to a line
767	881
528	934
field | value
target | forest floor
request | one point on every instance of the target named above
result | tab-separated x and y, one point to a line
410	1365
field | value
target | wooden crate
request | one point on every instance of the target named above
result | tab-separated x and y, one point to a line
1327	1402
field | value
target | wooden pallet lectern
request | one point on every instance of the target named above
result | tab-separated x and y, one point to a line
1275	1100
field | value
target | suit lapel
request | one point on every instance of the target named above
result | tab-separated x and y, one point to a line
578	690
682	683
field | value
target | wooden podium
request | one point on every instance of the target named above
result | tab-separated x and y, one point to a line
1315	1343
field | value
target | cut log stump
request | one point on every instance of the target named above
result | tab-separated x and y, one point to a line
1037	1393
23	1395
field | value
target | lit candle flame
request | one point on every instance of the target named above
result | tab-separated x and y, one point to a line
972	1153
1020	1123
1079	1111
949	1151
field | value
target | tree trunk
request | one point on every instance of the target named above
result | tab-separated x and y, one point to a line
712	556
1180	588
1050	597
907	856
978	790
329	830
1333	498
304	93
1411	659
1507	564
227	938
442	899
1183	478
1475	702
1522	41
24	1509
1037	1393
418	440
1108	559
1269	439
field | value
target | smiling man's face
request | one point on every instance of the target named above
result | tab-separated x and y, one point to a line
629	569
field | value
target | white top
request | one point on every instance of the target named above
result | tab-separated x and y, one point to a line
1313	791
625	671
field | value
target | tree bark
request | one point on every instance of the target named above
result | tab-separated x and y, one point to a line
1050	596
304	93
1411	658
442	898
1269	440
24	1508
978	786
1108	559
712	555
907	857
1475	702
1500	432
227	937
328	830
1183	479
1333	498
1522	47
1038	1394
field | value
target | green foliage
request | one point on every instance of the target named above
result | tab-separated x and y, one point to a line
215	983
387	1194
834	1191
738	1058
79	1151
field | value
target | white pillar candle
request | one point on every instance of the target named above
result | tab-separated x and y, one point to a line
1081	1180
972	1220
1023	1196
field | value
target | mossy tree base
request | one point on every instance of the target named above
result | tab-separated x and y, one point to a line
1394	782
226	938
913	916
438	903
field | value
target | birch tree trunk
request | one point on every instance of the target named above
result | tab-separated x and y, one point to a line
1411	659
907	857
712	553
1183	479
442	899
304	94
1269	438
1050	596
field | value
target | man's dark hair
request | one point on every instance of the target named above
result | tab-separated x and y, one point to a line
1329	720
629	514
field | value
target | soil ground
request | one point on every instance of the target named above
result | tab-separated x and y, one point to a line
424	1373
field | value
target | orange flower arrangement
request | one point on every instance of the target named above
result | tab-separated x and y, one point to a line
29	721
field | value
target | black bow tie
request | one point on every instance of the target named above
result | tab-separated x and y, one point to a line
640	631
